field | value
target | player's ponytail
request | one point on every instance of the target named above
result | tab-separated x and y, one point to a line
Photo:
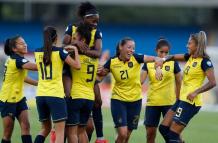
10	43
201	42
50	36
121	43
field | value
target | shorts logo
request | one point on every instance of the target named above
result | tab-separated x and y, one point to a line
10	114
194	64
130	64
120	120
24	60
167	68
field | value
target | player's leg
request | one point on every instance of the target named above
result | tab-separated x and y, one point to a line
133	114
44	118
23	119
8	115
152	118
58	110
184	113
119	114
90	127
167	121
85	112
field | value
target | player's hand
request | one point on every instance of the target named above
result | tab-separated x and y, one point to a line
70	48
158	74
159	62
191	96
82	47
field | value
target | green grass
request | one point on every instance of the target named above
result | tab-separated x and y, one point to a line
202	129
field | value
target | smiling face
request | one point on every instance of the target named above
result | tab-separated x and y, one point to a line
127	50
192	46
20	46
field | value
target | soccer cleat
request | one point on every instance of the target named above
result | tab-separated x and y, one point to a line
52	136
101	141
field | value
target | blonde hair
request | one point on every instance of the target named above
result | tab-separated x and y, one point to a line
201	42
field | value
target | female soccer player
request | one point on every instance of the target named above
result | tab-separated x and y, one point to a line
12	102
161	94
126	95
198	67
89	15
50	93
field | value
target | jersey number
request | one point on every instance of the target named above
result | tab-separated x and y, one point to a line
90	70
124	74
179	112
44	72
4	73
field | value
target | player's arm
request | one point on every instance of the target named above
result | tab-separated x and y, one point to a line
31	81
209	72
75	63
96	52
177	57
144	73
30	66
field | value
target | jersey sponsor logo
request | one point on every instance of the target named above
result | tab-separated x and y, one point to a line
209	63
194	64
130	64
167	68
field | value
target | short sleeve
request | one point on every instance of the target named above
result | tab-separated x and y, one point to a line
186	56
139	58
176	67
98	35
20	61
63	54
145	68
206	64
68	30
107	64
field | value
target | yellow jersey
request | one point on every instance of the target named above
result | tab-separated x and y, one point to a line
50	76
161	93
193	78
127	86
13	80
83	80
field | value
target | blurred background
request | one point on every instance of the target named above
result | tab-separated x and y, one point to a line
143	20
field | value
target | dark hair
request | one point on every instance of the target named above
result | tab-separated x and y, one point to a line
9	44
86	8
84	30
121	43
162	42
50	35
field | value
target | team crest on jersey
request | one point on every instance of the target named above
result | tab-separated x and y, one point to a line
130	64
194	64
167	68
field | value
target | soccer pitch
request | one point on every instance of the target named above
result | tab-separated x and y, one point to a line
202	129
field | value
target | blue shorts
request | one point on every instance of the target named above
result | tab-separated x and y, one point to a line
78	111
54	107
126	113
185	112
13	109
175	105
153	113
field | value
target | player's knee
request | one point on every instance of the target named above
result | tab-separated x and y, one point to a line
151	134
25	127
123	135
